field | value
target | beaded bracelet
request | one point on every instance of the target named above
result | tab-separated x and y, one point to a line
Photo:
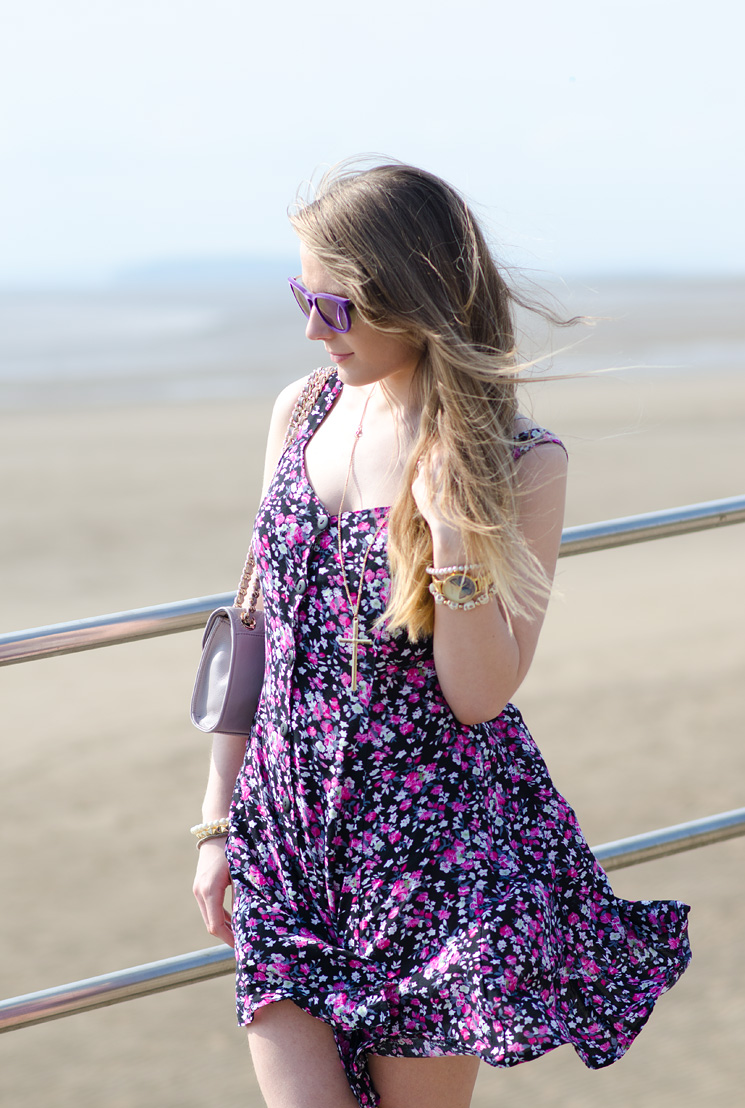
443	571
465	605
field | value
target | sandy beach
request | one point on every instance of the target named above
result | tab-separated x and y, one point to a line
636	699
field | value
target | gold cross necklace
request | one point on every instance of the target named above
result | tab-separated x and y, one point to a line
354	639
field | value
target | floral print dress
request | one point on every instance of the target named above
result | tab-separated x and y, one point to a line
418	884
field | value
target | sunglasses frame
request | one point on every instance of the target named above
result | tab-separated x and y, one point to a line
312	298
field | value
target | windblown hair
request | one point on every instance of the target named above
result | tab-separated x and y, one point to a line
411	257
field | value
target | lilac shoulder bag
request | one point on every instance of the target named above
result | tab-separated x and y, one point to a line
231	670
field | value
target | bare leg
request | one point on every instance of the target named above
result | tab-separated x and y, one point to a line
296	1061
445	1082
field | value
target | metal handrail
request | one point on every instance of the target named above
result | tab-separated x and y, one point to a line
187	615
628	530
218	961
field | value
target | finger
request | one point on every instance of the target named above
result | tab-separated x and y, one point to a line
218	924
211	903
225	932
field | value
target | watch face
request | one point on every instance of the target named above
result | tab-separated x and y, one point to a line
458	586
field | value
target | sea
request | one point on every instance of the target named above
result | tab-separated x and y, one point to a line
162	337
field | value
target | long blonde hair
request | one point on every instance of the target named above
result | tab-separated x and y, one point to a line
411	257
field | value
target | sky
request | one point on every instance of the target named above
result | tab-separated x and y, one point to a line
591	136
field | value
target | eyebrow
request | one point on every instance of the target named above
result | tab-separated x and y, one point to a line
320	292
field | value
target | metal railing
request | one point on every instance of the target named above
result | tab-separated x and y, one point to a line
218	961
188	615
165	619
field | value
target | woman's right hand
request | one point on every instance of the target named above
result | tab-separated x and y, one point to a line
211	883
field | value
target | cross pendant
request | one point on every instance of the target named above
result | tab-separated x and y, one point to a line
354	641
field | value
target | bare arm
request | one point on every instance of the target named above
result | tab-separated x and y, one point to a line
212	878
480	662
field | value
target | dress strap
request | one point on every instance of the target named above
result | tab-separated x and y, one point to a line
534	436
326	397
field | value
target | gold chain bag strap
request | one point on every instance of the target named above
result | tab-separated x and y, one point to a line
231	669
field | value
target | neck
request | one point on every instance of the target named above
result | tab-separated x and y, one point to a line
399	395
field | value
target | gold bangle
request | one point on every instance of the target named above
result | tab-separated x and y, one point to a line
206	838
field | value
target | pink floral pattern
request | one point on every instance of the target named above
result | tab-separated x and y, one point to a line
418	884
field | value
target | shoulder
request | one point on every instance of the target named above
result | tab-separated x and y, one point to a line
528	435
285	403
313	386
282	411
542	472
285	408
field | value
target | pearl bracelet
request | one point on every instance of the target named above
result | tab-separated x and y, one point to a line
443	571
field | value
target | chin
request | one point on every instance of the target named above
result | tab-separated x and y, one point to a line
348	376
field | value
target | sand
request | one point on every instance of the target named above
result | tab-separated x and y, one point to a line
635	697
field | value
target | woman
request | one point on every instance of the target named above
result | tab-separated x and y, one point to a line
410	893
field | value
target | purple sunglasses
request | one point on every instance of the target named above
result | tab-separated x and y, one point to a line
333	310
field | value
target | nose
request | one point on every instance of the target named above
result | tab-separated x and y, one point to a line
315	328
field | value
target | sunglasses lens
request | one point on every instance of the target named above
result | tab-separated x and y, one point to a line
302	300
333	314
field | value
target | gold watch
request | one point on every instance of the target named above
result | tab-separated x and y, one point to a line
459	588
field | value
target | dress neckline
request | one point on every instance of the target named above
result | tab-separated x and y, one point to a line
336	387
528	436
379	508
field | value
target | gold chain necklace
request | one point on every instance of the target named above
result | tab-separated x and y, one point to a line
353	639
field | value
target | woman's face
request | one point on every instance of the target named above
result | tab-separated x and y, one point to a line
363	355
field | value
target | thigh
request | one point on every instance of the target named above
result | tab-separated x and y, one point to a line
296	1061
443	1082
